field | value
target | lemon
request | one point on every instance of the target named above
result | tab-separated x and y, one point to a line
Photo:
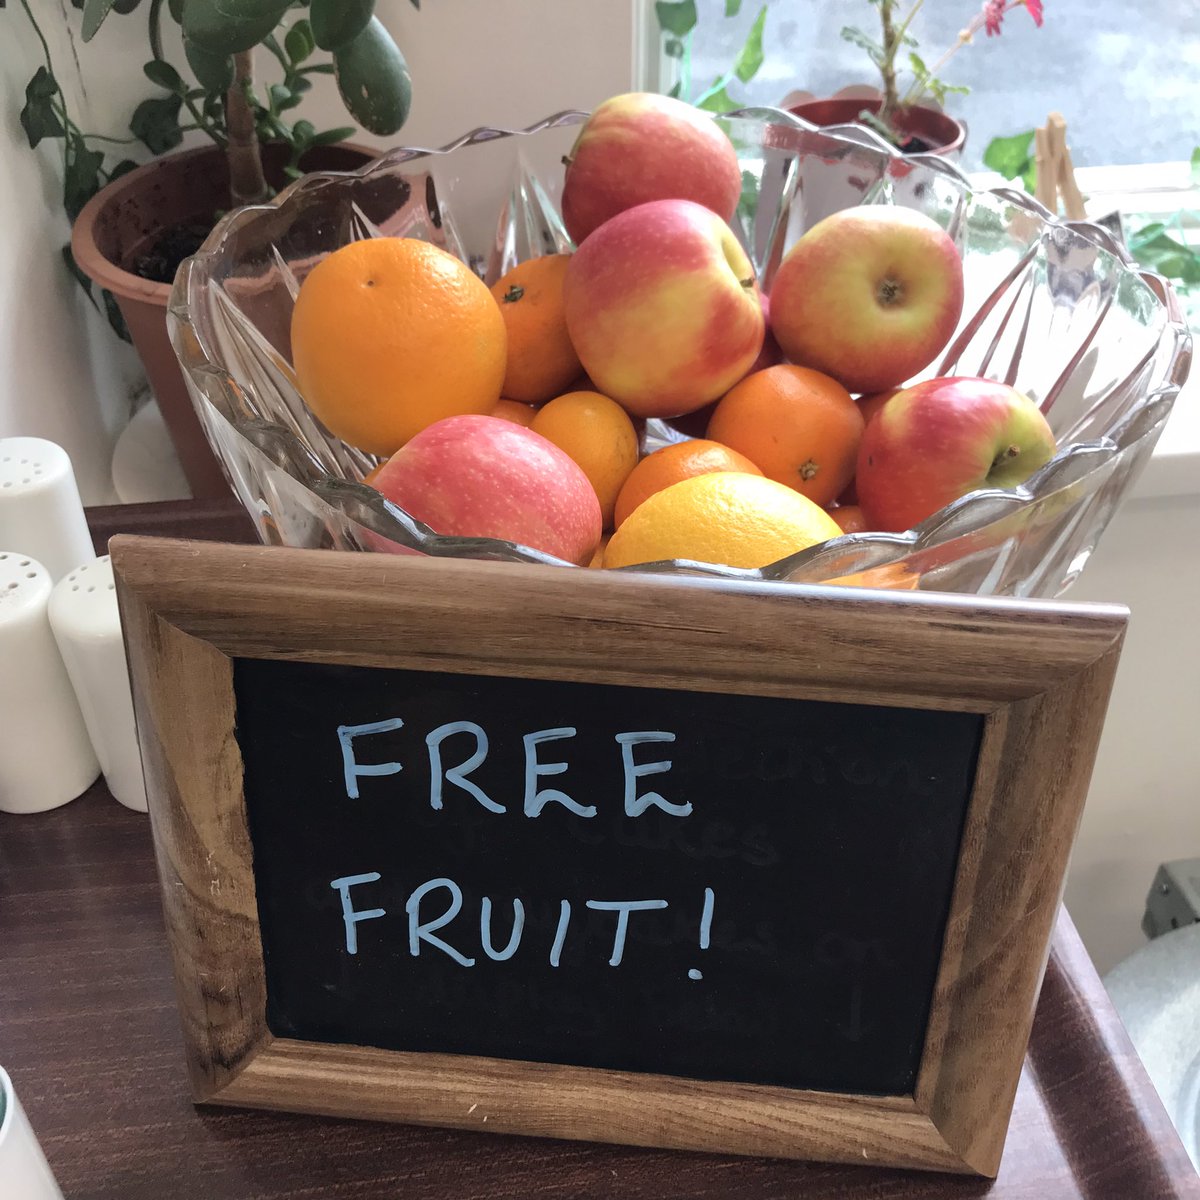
728	517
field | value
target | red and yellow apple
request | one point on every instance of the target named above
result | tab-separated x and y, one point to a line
641	147
940	439
483	476
662	308
869	295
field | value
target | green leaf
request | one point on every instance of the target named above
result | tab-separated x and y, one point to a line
1196	165
94	12
676	88
38	117
919	69
43	85
733	7
124	7
175	8
1010	156
939	90
718	102
677	17
1145	235
299	42
156	123
230	26
750	57
303	133
373	80
330	137
77	271
122	168
282	97
164	75
673	48
856	37
81	180
214	72
335	23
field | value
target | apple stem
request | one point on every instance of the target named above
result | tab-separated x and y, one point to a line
748	283
1006	454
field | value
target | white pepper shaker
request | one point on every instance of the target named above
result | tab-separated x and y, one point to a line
41	514
46	757
87	624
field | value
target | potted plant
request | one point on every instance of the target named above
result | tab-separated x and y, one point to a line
895	110
134	224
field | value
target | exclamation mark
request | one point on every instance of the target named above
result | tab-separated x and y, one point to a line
705	928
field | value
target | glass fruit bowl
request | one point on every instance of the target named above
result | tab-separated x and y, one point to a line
1055	308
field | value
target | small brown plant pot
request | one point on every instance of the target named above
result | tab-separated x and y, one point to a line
125	219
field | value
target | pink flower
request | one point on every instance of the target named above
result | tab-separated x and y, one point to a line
1035	11
993	15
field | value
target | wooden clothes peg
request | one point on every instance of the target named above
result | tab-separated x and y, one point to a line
1055	170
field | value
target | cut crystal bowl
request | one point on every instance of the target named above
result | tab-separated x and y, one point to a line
1055	308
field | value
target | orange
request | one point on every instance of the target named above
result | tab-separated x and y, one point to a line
598	557
541	360
850	518
728	517
598	434
392	334
798	426
672	464
514	411
892	576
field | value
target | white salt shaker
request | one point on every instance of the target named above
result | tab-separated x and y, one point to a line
46	757
24	1172
86	621
41	514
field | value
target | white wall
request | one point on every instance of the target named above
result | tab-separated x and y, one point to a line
474	62
62	374
1143	807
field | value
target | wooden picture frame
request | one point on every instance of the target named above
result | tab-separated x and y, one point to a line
1039	672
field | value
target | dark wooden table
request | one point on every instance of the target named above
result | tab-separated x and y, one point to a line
88	1031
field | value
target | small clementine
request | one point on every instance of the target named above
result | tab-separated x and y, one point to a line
850	518
800	427
672	464
541	360
598	434
514	411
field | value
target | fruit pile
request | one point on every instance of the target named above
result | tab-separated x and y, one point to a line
517	412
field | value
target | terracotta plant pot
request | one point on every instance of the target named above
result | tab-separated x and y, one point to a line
122	221
942	133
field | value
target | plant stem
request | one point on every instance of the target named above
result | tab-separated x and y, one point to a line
912	12
155	29
964	38
247	185
887	68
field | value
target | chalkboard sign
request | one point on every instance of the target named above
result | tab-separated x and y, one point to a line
685	883
677	862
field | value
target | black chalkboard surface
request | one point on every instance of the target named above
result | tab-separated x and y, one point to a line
449	863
